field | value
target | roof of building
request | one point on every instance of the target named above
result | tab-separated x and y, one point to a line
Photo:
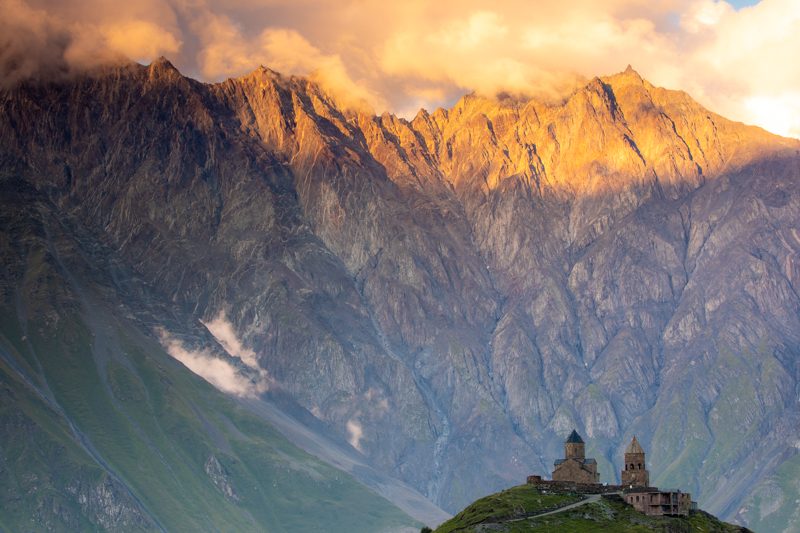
653	490
634	447
588	461
574	438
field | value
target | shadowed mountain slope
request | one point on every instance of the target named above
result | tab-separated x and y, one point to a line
102	430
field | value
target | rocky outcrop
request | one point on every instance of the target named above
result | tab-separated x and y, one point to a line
108	506
221	478
465	287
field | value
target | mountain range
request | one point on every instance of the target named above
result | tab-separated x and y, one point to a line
439	301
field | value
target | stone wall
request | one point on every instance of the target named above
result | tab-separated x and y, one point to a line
571	486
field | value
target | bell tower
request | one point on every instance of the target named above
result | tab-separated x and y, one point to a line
635	472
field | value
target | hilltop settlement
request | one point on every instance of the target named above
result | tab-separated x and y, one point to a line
578	473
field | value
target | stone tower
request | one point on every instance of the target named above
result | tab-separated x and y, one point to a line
574	448
635	472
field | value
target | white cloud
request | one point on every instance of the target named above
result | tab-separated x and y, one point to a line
222	330
778	113
220	373
704	15
743	65
355	433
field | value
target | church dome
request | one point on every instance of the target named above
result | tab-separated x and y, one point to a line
574	438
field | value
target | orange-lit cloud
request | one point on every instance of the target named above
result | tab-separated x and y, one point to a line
404	55
227	51
37	40
139	39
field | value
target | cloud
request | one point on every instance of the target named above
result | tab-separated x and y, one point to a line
139	39
742	63
36	43
222	330
374	402
722	56
221	373
355	433
228	53
403	55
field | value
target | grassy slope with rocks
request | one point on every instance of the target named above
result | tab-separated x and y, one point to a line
509	504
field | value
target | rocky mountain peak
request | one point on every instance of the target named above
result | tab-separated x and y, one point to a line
162	69
631	74
448	295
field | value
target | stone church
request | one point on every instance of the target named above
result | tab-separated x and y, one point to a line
575	466
578	473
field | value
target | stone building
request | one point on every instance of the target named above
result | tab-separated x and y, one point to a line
575	467
654	502
576	473
644	498
634	473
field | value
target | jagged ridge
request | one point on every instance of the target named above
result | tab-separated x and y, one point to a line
465	286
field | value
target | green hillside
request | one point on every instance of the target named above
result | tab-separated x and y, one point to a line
516	510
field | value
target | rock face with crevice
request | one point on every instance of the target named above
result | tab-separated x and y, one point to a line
454	293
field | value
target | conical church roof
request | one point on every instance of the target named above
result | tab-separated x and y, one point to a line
634	446
574	438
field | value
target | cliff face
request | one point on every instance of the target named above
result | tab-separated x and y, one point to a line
101	430
454	293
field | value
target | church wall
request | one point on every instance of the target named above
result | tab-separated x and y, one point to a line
572	470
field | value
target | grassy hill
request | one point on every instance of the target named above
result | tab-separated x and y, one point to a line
516	510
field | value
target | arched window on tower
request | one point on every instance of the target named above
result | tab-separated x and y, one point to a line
639	466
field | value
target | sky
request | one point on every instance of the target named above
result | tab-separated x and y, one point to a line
737	58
